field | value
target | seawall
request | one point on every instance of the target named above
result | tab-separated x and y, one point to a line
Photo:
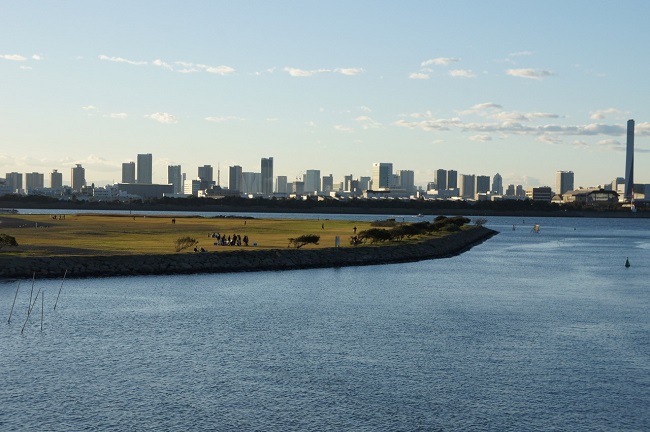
240	260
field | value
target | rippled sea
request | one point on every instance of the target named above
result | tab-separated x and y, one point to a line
525	332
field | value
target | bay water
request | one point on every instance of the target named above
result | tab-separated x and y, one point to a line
526	331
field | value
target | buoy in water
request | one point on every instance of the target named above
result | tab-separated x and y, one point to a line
627	262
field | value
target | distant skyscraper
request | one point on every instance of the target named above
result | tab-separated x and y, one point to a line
440	179
382	175
510	191
15	181
407	180
452	179
563	182
145	169
347	182
467	184
520	192
629	161
267	176
298	187
497	184
128	172
281	184
312	181
206	173
175	177
235	178
251	183
364	183
78	175
328	183
56	180
34	181
482	184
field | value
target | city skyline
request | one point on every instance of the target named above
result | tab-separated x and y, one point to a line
522	90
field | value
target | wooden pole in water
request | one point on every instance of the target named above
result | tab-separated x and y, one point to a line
57	297
30	310
12	305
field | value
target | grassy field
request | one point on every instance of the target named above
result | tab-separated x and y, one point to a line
41	235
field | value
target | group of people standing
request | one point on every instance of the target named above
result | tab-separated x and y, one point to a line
234	240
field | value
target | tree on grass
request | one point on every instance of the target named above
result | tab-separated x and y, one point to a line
299	242
184	243
7	240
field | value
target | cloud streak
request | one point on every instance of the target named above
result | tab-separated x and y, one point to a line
536	74
163	117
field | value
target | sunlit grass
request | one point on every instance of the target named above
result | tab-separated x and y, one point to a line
109	234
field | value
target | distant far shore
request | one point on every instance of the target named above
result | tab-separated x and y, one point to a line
411	208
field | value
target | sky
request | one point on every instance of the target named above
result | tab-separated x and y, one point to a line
522	88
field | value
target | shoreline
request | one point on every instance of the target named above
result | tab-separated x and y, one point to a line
242	260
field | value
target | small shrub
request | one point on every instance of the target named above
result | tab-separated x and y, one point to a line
376	235
385	223
7	240
184	243
299	242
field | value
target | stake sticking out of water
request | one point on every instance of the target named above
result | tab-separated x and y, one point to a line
627	262
13	304
57	297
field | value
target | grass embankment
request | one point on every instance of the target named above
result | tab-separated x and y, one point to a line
123	235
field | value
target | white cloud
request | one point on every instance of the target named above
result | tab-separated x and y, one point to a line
88	108
642	129
219	70
349	71
162	64
342	128
580	144
601	114
481	138
367	122
122	60
440	61
12	57
419	76
120	116
162	117
536	74
462	73
36	57
612	144
364	108
296	72
549	139
481	109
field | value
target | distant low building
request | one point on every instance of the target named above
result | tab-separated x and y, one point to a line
543	193
590	197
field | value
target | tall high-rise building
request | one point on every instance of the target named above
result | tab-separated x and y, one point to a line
467	184
328	183
482	184
629	161
281	184
78	176
235	178
452	179
206	173
267	176
510	191
14	181
497	184
407	180
563	182
312	181
382	175
34	180
347	182
145	169
251	183
56	180
364	183
175	177
128	172
440	179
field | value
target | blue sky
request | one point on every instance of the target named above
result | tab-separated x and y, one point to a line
520	88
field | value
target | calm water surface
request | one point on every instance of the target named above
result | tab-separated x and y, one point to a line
527	331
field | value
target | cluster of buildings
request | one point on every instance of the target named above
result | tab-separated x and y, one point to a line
385	183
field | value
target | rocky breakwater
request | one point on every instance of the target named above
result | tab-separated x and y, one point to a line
241	260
